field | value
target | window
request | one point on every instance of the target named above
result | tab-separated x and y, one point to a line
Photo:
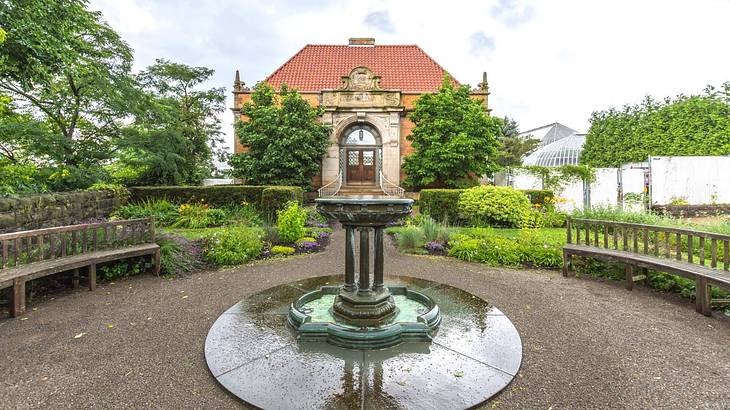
360	136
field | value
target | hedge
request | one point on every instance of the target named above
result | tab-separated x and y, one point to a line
268	199
275	198
441	204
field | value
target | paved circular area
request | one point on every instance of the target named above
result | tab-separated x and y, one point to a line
253	354
586	343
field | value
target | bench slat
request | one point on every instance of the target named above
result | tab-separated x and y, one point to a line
682	268
48	267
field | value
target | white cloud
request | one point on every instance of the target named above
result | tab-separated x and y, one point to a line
554	61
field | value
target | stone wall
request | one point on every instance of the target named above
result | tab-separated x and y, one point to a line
56	209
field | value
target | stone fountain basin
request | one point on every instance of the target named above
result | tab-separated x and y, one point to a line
417	320
364	210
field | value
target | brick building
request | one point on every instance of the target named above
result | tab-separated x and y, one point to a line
367	91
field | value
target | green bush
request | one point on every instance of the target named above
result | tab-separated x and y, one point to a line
215	196
274	199
305	239
432	230
121	269
282	250
494	247
164	212
410	238
489	205
246	214
233	246
222	196
290	222
441	205
178	255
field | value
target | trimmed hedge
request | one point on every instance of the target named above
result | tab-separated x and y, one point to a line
441	204
267	199
538	196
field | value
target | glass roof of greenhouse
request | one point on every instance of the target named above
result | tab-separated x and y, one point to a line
561	152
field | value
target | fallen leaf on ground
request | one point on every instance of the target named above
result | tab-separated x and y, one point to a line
459	373
109	326
79	336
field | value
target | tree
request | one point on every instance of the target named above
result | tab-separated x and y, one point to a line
176	131
62	64
685	125
513	148
454	140
284	138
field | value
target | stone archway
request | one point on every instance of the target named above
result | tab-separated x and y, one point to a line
361	148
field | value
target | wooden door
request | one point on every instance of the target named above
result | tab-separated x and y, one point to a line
360	166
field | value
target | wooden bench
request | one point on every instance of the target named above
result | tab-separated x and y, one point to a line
29	255
660	248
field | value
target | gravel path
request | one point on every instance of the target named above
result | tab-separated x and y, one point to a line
587	344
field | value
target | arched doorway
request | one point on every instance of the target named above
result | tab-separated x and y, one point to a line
360	147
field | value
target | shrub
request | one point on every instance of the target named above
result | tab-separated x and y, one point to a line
216	195
233	246
465	248
178	255
306	239
410	238
553	219
314	218
282	250
526	247
121	269
489	205
274	199
432	231
243	214
193	216
271	235
216	217
290	222
532	219
120	191
163	211
441	204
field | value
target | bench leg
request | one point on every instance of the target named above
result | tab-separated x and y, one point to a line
75	279
17	298
566	263
92	277
703	297
156	262
629	272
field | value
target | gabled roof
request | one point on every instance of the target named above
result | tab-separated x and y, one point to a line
549	133
320	67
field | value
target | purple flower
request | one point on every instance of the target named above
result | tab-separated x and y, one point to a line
324	235
307	246
321	225
435	247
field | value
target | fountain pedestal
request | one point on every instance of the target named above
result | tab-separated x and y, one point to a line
362	303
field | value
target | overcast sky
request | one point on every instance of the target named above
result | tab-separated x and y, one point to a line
547	61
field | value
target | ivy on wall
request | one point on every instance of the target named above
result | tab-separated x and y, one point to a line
685	125
556	178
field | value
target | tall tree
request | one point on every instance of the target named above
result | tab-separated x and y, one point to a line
685	125
64	65
454	139
284	138
176	131
513	148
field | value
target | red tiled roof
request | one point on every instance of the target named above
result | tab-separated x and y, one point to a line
320	67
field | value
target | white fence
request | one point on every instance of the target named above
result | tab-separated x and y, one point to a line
691	180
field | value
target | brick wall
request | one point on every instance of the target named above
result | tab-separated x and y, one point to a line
56	209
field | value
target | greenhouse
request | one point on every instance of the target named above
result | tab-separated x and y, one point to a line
565	151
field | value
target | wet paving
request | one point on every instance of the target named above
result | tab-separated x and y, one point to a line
254	355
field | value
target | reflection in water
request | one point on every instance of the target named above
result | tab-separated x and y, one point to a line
359	372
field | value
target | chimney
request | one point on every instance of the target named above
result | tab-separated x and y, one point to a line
362	41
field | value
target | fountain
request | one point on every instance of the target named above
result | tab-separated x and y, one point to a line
368	341
364	314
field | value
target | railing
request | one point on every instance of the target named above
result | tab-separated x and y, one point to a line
24	247
332	188
390	188
659	241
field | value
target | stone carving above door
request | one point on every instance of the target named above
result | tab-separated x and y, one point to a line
361	88
361	79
